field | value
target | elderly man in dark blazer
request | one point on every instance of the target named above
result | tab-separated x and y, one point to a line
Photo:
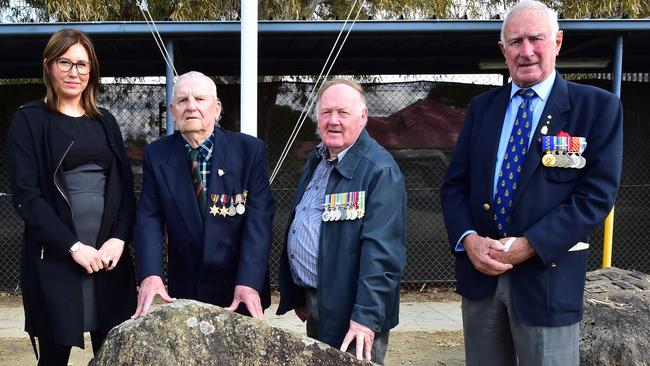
535	170
345	245
208	188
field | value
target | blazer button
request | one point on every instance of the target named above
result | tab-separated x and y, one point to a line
486	207
553	264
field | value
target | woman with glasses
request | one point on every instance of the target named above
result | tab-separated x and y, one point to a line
72	184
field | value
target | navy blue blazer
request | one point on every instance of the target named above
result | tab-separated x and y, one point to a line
205	261
554	207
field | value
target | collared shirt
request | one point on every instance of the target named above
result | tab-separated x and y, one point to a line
542	91
304	232
205	159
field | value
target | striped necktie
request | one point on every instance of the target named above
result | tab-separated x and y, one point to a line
197	182
513	161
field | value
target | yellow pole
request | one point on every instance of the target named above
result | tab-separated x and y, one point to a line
607	239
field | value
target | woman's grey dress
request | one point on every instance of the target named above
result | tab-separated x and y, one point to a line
84	168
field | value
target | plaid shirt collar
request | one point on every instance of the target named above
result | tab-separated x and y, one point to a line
205	161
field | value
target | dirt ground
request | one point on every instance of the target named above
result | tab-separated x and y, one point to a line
405	348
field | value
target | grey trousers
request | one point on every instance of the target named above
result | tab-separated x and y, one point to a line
494	335
379	345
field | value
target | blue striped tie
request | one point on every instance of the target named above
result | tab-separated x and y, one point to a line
513	161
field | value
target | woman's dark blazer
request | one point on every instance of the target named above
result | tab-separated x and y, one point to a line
50	278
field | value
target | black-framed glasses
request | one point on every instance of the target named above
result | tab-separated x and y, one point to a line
65	65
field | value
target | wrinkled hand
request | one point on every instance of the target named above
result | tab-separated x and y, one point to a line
89	258
149	288
364	337
251	298
520	250
110	252
479	249
301	312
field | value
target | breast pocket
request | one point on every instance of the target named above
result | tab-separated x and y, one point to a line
562	175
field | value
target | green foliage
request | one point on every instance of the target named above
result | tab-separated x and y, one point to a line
189	10
605	8
20	81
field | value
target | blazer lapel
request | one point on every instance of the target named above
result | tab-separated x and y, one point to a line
492	127
553	117
179	182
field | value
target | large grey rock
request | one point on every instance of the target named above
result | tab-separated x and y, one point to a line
189	332
616	325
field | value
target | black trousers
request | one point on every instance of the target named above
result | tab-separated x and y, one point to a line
52	354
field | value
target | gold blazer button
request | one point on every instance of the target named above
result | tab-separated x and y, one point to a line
486	207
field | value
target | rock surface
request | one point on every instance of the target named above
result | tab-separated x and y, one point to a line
616	325
189	332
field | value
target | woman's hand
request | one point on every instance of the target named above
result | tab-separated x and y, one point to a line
110	252
88	257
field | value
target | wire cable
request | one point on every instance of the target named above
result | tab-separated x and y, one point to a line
156	36
319	81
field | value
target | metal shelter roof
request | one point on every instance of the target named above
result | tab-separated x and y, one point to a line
301	48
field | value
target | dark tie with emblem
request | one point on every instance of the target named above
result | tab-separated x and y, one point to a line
513	161
197	181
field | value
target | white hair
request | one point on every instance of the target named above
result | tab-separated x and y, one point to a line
198	75
549	14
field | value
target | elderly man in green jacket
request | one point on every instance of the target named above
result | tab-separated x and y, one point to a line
345	246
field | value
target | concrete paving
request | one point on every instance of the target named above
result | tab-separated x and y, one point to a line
414	317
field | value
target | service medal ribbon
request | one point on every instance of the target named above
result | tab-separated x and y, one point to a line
548	143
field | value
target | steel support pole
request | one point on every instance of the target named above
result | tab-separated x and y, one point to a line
248	107
169	88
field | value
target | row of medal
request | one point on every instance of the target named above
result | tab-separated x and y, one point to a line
564	151
237	204
344	206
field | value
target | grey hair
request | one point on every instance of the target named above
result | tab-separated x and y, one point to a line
198	75
549	14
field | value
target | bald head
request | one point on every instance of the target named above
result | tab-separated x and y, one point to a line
195	107
195	75
342	114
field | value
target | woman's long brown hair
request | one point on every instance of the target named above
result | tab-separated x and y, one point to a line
58	44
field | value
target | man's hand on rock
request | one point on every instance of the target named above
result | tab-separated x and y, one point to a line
251	298
363	337
149	288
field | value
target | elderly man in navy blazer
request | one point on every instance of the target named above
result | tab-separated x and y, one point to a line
208	188
535	170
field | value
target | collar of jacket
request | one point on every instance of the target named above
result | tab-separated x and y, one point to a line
348	165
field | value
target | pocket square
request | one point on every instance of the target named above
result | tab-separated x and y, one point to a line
579	246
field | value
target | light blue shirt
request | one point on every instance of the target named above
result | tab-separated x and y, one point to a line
304	232
543	90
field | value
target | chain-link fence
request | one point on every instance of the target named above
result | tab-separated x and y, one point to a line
416	121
